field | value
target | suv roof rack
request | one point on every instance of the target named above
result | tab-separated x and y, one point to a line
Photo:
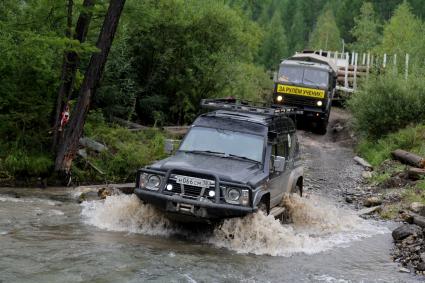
245	106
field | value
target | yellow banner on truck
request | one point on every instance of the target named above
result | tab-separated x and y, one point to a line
289	89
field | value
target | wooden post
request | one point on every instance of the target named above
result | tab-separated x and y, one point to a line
384	64
352	58
368	66
364	59
407	66
355	72
347	58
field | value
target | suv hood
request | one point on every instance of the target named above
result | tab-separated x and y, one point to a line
227	169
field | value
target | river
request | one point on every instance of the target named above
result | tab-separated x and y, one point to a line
47	236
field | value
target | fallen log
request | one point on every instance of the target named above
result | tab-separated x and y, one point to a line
415	173
363	163
128	124
177	130
92	144
409	158
418	220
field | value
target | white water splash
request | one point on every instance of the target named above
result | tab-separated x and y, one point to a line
126	213
317	226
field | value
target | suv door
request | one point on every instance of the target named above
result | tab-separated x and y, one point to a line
279	180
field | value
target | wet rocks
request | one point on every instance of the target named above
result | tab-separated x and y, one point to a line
409	248
103	193
372	201
367	174
405	231
418	208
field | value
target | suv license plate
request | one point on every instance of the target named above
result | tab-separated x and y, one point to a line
191	181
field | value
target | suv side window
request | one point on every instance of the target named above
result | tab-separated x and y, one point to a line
282	149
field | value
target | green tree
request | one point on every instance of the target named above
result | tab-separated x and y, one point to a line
326	34
404	33
298	32
366	29
275	44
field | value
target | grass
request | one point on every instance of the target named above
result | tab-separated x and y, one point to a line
127	152
411	139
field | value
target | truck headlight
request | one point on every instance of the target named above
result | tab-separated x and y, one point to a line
233	195
279	98
319	103
149	181
236	196
153	182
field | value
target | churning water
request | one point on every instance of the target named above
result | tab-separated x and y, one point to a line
317	226
46	236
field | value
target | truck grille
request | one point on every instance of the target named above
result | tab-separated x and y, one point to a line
296	100
189	191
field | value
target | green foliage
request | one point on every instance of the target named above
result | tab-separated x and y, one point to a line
366	29
326	35
180	52
387	103
410	139
275	45
403	34
20	163
127	151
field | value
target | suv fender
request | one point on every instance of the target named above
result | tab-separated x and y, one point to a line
295	175
260	195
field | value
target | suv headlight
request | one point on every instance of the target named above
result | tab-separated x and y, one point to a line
150	181
236	196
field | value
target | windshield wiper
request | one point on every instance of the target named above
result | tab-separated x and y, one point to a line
243	158
205	152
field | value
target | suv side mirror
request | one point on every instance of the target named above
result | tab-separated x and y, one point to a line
279	163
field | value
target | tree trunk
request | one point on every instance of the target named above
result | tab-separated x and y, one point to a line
70	63
409	158
416	173
69	146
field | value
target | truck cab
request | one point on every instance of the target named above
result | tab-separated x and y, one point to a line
307	82
232	162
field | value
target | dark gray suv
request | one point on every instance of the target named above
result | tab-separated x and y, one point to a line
232	162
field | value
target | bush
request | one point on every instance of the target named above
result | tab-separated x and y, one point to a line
21	163
387	103
410	139
127	151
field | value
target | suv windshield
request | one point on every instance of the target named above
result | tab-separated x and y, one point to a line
308	76
228	143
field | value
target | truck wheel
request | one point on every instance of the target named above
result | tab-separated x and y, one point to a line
262	206
321	127
298	190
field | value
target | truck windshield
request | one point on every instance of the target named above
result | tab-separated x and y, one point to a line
228	143
307	76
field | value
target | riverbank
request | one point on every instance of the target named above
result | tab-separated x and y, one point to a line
392	192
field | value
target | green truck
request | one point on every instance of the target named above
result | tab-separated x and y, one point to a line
307	81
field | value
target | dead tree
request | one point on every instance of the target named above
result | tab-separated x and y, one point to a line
69	145
70	63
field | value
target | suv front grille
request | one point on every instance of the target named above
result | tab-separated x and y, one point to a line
188	191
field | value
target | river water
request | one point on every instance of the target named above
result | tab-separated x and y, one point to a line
46	236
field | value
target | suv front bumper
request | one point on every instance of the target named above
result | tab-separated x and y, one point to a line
192	210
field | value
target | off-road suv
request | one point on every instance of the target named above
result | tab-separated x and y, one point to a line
232	162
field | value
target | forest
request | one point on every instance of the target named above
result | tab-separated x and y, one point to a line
165	57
